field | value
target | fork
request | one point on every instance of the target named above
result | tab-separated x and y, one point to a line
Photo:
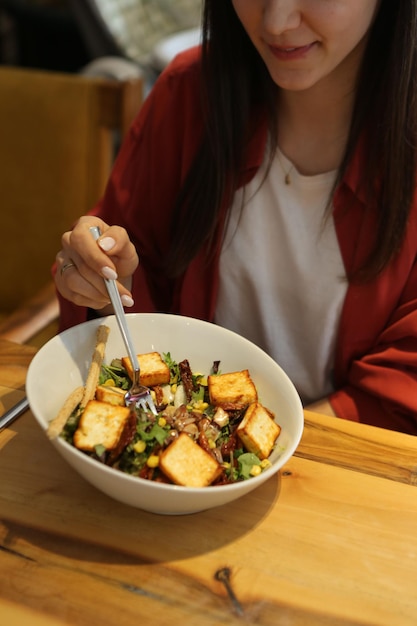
138	394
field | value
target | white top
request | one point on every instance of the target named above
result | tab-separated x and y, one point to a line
282	279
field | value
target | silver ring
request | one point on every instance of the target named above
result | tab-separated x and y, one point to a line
66	266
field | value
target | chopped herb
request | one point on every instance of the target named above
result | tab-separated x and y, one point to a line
158	433
198	396
173	368
100	450
71	425
116	373
246	461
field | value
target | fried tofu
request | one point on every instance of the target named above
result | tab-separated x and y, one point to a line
258	431
112	395
187	464
232	390
101	423
153	369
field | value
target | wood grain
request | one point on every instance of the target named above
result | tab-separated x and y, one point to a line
14	361
330	541
18	615
359	447
317	545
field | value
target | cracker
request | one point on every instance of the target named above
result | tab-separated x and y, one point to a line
96	362
57	424
82	395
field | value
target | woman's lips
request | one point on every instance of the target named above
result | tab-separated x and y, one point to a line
289	53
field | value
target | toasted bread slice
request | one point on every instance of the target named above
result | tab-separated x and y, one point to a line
258	431
112	395
187	464
101	423
235	389
153	369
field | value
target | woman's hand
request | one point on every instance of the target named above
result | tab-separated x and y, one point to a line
83	263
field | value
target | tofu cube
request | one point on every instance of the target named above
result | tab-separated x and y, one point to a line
153	369
101	423
112	395
187	464
232	390
258	431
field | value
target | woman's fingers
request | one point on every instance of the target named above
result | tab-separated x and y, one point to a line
83	262
80	242
79	284
117	246
112	250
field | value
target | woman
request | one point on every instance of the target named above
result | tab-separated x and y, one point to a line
268	184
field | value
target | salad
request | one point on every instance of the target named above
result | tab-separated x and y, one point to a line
210	429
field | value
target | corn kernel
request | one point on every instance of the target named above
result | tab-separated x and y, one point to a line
162	422
174	387
265	463
153	461
203	381
200	406
140	446
212	444
109	382
226	465
256	470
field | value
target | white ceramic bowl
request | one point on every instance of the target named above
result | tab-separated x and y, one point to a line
62	364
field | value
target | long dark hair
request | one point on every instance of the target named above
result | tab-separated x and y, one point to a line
236	85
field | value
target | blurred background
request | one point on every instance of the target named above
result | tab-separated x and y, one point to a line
73	75
65	35
41	34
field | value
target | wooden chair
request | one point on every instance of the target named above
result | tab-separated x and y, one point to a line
58	138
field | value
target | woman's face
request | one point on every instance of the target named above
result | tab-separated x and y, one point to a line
303	42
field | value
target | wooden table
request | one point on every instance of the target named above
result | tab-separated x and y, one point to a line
331	541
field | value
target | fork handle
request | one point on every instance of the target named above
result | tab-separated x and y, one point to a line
118	310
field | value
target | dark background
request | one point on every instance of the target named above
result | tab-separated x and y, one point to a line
41	34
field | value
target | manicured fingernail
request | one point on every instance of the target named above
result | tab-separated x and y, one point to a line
107	243
127	301
109	273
